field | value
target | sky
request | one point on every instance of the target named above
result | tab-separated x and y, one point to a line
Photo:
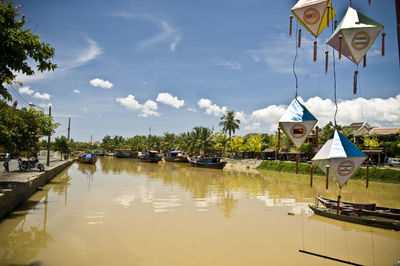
126	67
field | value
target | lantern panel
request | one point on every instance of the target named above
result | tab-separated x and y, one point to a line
344	168
313	15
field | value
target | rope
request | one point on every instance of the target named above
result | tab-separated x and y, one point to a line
334	79
295	57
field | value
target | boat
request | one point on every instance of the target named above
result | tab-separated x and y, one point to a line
348	215
98	153
213	162
362	208
87	158
126	153
175	156
150	157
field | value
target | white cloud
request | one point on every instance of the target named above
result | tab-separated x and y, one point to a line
167	32
90	53
105	84
210	108
149	108
230	65
80	57
168	99
278	54
25	90
42	96
192	110
376	111
76	91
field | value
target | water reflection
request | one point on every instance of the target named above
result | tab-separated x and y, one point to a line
176	211
24	232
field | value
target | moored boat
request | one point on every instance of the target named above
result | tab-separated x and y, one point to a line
175	156
87	158
213	162
126	153
348	215
150	157
362	208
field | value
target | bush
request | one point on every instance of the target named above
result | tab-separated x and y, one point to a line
375	174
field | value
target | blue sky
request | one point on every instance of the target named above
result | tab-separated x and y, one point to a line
127	65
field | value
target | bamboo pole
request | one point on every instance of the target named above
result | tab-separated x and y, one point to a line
367	177
327	176
311	174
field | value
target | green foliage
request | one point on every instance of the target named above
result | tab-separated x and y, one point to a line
289	167
62	145
372	142
237	143
254	143
221	141
17	45
229	123
21	129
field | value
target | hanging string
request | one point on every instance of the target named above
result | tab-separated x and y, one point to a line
334	79
361	101
298	31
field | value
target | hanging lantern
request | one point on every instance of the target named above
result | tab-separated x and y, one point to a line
314	15
343	157
359	33
297	122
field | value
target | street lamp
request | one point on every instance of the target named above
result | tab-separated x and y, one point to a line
48	139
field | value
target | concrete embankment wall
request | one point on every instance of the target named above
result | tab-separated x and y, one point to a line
18	192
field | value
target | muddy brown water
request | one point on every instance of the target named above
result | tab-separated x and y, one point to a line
124	212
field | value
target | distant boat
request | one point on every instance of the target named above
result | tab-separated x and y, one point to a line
150	157
88	158
98	153
362	208
213	162
126	153
175	156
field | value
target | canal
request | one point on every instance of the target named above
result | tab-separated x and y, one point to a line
124	212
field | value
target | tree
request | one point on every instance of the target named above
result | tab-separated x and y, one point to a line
21	129
201	139
371	142
17	45
62	145
229	123
237	143
221	141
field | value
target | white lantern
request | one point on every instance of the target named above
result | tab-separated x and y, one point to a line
297	122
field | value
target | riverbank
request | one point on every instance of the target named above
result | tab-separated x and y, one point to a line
16	186
376	174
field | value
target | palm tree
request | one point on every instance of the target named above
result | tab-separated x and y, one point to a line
229	123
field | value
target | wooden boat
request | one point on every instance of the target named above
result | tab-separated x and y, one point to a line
214	163
126	153
175	156
87	158
348	215
362	208
150	157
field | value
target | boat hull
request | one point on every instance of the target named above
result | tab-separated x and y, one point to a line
178	159
219	165
362	208
88	161
364	220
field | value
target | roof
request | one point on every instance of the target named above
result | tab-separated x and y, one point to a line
358	125
384	130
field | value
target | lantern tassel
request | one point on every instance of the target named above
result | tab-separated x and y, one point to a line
315	51
355	82
326	61
327	12
383	44
299	41
335	24
369	2
340	46
365	61
290	27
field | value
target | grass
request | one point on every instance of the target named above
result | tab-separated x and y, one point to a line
375	174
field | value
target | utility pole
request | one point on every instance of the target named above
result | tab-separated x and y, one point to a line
69	127
48	142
